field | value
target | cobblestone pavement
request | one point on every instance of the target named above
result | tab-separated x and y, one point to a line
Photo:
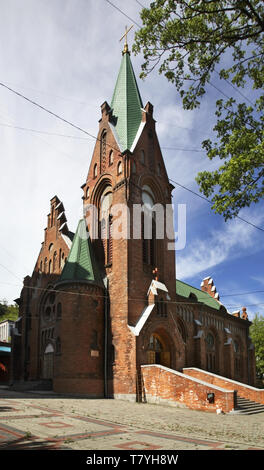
48	421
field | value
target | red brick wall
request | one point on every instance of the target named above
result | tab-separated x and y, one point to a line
79	366
244	391
173	387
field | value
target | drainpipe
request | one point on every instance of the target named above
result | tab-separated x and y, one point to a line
106	338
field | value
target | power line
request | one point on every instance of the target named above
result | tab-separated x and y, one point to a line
210	202
37	131
118	150
54	114
42	132
123	13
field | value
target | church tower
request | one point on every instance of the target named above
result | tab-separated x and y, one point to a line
127	173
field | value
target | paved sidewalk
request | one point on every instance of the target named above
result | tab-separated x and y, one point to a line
45	420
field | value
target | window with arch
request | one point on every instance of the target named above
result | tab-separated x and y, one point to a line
55	261
105	224
95	171
50	266
210	352
237	359
111	157
142	157
87	192
119	168
103	151
148	227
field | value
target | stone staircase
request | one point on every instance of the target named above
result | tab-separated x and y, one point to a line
248	407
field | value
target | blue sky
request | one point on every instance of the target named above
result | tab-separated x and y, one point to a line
65	55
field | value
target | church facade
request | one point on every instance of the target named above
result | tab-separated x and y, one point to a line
104	301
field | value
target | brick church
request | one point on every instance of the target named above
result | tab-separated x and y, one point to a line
99	308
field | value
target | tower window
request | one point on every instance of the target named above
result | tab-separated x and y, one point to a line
149	238
119	168
103	151
95	171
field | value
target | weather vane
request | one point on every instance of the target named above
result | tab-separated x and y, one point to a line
125	36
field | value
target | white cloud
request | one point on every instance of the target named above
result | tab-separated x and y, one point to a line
217	247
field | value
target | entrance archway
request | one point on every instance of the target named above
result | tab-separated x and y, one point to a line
47	370
158	351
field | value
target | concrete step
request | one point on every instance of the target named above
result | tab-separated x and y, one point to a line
245	406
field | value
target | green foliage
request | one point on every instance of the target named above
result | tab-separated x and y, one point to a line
257	336
8	312
187	40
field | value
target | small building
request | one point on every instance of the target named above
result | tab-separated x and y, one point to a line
6	328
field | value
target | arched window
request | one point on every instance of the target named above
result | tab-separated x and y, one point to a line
210	352
87	192
119	168
148	227
142	156
105	223
95	171
111	157
103	151
50	266
237	359
55	261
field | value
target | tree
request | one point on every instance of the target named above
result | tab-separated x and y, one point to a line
257	336
8	312
187	40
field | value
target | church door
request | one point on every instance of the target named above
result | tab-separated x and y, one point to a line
158	353
47	371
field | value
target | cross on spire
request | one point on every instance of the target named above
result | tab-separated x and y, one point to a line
125	36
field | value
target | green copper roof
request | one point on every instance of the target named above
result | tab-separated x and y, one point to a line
185	290
126	104
80	264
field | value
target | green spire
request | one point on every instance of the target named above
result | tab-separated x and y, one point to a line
81	265
126	104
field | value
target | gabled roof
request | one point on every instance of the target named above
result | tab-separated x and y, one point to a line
81	264
185	290
126	104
